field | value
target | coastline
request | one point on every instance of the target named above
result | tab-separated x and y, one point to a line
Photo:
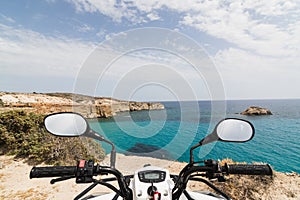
15	182
90	107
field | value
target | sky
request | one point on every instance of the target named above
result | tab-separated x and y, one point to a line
152	50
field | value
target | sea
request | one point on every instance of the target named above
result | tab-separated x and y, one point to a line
169	133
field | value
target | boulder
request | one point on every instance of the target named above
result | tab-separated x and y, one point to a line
255	110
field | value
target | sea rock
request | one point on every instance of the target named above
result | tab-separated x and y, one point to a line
156	106
136	106
255	110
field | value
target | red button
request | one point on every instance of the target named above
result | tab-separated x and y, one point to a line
81	163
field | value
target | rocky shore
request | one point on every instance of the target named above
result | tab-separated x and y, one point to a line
89	107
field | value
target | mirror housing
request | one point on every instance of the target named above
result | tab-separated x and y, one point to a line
69	124
234	130
66	124
231	130
227	130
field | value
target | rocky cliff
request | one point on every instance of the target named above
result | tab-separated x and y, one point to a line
90	107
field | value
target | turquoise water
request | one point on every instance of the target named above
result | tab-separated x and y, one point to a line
170	133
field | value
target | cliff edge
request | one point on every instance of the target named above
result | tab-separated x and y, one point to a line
89	107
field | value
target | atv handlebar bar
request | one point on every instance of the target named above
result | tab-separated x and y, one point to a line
85	170
248	169
57	171
212	170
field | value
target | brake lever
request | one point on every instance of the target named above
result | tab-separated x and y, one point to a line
61	179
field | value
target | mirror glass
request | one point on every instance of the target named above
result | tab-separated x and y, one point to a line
235	130
66	124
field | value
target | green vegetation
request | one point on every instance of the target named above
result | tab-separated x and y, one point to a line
1	103
23	134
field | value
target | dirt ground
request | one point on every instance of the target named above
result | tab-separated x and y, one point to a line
15	182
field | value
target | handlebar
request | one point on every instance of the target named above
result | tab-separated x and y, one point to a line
212	170
248	169
245	169
85	170
57	171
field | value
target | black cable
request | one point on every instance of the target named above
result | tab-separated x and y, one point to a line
211	186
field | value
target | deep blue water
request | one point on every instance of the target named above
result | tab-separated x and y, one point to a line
169	133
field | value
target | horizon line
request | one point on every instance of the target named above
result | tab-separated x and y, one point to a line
168	100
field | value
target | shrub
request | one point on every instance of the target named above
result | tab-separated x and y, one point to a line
23	134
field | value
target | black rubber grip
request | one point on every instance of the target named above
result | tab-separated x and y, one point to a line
40	172
247	169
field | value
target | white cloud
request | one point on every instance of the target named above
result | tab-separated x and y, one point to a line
101	33
153	16
7	19
85	28
111	8
266	27
248	75
134	11
262	38
272	8
31	53
239	24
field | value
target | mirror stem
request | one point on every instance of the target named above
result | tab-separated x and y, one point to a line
94	135
112	154
192	149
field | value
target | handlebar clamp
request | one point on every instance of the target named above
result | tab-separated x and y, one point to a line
215	170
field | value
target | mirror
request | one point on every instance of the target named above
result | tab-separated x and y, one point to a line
66	124
227	130
234	130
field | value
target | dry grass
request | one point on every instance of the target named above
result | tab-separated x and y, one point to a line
2	176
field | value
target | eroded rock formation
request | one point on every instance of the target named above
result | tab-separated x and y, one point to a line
89	107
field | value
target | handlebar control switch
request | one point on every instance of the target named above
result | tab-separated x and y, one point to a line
215	170
84	172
